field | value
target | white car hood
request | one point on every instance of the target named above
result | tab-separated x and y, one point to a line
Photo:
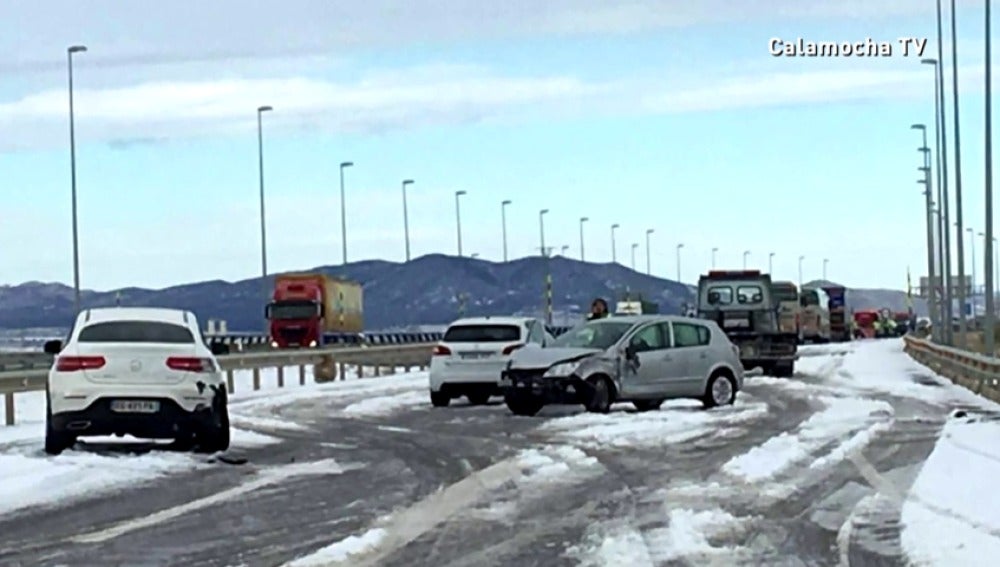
546	357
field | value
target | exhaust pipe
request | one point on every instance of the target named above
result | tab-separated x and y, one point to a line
77	425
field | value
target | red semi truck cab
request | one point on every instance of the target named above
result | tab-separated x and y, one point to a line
306	308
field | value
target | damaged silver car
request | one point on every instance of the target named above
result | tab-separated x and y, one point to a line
642	359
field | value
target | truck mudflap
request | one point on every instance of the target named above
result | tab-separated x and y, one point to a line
568	390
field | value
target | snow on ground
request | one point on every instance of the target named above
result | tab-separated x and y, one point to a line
841	418
342	550
32	478
675	422
951	514
611	544
689	533
385	405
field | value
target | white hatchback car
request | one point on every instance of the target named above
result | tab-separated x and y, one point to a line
474	351
144	372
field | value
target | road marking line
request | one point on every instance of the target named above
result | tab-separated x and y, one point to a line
264	478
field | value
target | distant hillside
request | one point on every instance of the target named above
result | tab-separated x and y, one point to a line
422	291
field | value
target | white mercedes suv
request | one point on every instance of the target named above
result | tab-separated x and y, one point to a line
136	371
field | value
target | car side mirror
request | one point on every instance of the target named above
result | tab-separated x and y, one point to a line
629	352
53	347
219	349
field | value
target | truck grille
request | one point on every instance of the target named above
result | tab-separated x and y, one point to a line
293	336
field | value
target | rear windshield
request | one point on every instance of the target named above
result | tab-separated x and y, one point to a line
135	332
785	293
810	297
482	334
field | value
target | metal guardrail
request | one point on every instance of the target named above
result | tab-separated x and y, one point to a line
328	364
973	371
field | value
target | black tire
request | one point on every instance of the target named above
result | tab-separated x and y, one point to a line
440	399
525	405
602	395
216	436
784	369
647	405
478	398
56	441
716	396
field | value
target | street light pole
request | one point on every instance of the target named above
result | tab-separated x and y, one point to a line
989	337
343	211
541	229
582	220
72	172
801	258
746	254
635	245
406	219
614	254
263	225
958	175
503	225
770	263
458	220
946	200
943	234
714	250
929	204
649	262
972	249
679	246
825	262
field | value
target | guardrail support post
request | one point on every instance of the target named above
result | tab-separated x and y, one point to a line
256	379
343	370
230	382
8	404
281	376
302	375
361	371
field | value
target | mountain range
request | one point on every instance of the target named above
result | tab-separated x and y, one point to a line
429	290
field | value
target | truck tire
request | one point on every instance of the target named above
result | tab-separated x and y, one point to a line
784	369
521	404
440	399
478	398
56	441
647	405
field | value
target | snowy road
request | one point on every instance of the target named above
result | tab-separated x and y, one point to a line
821	469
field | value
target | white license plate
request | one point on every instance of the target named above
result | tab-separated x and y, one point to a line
474	355
135	406
736	323
505	383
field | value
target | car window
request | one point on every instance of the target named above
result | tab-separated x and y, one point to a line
135	332
599	334
722	293
535	332
649	338
749	294
482	334
690	335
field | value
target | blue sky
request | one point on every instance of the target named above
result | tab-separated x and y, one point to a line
651	114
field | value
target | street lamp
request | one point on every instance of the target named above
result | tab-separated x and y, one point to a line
582	220
801	258
72	172
944	234
343	211
614	255
714	250
406	219
474	255
541	228
635	245
503	225
263	226
562	251
988	332
649	270
746	254
958	171
770	263
458	220
928	204
679	246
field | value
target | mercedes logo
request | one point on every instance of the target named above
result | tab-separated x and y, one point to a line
136	365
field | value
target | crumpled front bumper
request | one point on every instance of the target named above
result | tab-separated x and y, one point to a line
553	390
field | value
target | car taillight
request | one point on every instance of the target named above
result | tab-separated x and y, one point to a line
441	350
190	364
511	348
75	363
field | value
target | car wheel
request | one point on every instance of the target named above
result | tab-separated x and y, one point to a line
56	441
721	390
216	435
520	404
440	399
784	370
601	395
647	405
478	398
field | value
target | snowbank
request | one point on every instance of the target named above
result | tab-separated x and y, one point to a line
674	422
342	550
841	418
951	515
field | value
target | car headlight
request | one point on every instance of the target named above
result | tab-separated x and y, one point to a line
312	344
562	369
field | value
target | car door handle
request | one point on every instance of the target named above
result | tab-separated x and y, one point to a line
704	355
